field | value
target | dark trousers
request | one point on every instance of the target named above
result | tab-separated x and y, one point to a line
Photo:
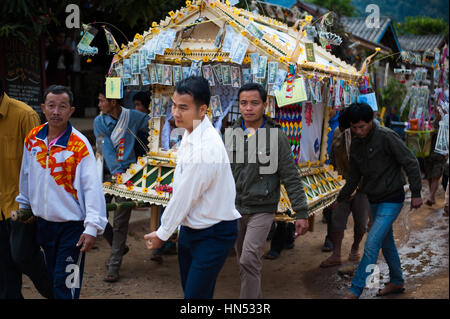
283	236
116	235
21	254
202	254
327	216
65	262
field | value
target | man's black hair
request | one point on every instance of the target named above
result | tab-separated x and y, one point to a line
360	112
1	88
254	87
197	87
343	118
59	89
143	97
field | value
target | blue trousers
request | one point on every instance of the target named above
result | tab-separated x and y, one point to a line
202	254
380	236
65	262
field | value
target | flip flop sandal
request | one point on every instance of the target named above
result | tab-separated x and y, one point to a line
354	257
112	276
330	263
395	291
350	295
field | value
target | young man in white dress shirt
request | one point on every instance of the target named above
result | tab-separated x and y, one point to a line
203	196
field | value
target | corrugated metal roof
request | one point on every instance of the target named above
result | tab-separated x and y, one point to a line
311	8
359	28
420	43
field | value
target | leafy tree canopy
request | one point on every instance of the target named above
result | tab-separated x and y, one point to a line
422	26
28	19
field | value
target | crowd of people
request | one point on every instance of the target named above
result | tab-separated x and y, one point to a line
222	200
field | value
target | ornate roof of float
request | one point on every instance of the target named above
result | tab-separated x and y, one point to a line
280	42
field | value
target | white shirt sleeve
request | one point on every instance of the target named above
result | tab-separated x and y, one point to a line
193	182
91	196
23	197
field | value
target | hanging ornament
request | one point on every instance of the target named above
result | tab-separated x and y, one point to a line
83	46
290	81
311	32
327	39
407	57
113	47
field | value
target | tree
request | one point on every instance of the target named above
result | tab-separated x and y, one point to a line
392	95
129	15
340	7
422	26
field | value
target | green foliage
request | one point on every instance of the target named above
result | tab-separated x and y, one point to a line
136	13
392	95
340	7
28	20
422	26
399	9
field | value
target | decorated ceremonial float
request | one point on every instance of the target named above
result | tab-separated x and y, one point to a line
422	101
230	47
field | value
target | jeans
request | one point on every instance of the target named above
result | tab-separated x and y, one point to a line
380	236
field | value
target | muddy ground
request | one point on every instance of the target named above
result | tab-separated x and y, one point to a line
421	236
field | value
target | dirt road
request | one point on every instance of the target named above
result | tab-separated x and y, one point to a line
421	236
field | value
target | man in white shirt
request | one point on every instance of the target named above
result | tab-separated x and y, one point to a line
203	194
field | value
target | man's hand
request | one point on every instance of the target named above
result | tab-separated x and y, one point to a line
152	241
301	227
416	202
87	241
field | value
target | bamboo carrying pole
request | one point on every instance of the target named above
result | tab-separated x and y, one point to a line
154	217
23	214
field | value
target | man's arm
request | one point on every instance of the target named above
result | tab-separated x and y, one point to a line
143	124
90	195
108	150
354	177
23	197
28	122
408	161
290	177
291	180
189	189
